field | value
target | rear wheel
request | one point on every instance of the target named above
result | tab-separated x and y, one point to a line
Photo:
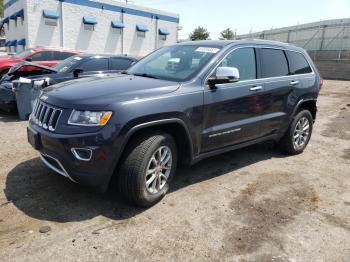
298	134
147	168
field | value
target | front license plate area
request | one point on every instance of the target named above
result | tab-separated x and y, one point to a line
33	138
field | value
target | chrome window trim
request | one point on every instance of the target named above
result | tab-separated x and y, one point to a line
205	81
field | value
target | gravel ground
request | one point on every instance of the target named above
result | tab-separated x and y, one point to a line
254	204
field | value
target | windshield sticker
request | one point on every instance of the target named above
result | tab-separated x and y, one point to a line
64	69
207	50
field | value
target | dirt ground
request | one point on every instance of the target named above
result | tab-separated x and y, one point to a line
254	204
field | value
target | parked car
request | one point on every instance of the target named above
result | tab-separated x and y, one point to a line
71	68
42	56
136	127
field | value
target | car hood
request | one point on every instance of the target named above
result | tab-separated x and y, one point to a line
98	92
14	73
45	69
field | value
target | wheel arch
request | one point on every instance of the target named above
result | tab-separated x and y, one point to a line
173	126
308	104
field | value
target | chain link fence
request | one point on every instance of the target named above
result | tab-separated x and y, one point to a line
327	42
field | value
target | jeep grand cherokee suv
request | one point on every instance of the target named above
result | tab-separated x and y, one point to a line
183	102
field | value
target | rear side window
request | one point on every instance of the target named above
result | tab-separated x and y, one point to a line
274	63
120	63
95	64
244	60
298	64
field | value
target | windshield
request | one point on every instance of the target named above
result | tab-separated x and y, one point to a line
177	63
23	53
67	64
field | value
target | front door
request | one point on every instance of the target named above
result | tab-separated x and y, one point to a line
231	111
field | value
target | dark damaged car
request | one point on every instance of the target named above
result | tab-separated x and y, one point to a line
79	66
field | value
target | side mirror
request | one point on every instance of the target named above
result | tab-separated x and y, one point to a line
77	72
224	75
29	59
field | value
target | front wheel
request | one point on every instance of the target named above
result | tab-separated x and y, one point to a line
298	134
147	168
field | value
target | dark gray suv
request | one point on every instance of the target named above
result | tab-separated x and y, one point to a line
182	103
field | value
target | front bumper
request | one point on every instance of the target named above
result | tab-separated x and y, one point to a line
56	153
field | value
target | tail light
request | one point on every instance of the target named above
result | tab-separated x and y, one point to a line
321	81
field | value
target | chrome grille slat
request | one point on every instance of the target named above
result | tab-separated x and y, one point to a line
45	116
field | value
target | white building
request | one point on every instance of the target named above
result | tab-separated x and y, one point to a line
95	26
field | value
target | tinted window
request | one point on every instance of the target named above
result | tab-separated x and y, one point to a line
94	64
56	55
65	55
120	63
298	63
61	55
43	56
244	60
274	63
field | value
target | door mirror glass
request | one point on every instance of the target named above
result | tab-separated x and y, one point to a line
224	75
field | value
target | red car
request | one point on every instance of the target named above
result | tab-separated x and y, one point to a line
43	56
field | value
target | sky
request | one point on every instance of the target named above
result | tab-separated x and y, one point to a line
244	16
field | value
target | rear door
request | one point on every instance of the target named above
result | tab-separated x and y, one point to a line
231	111
278	86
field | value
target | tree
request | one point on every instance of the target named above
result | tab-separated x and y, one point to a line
227	34
200	33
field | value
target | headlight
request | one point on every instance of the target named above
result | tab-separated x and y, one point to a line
89	118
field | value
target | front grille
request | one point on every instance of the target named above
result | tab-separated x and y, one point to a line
45	116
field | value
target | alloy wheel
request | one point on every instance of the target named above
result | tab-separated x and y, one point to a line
158	169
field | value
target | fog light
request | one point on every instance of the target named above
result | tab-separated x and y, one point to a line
82	154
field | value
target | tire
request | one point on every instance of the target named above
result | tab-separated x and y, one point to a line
289	143
142	155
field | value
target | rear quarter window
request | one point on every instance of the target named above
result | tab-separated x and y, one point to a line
273	62
298	63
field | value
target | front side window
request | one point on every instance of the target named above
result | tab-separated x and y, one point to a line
43	56
96	64
244	60
298	63
274	63
175	63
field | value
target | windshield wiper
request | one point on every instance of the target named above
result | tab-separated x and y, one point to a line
146	75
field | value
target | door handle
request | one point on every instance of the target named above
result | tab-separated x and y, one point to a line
294	83
256	88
